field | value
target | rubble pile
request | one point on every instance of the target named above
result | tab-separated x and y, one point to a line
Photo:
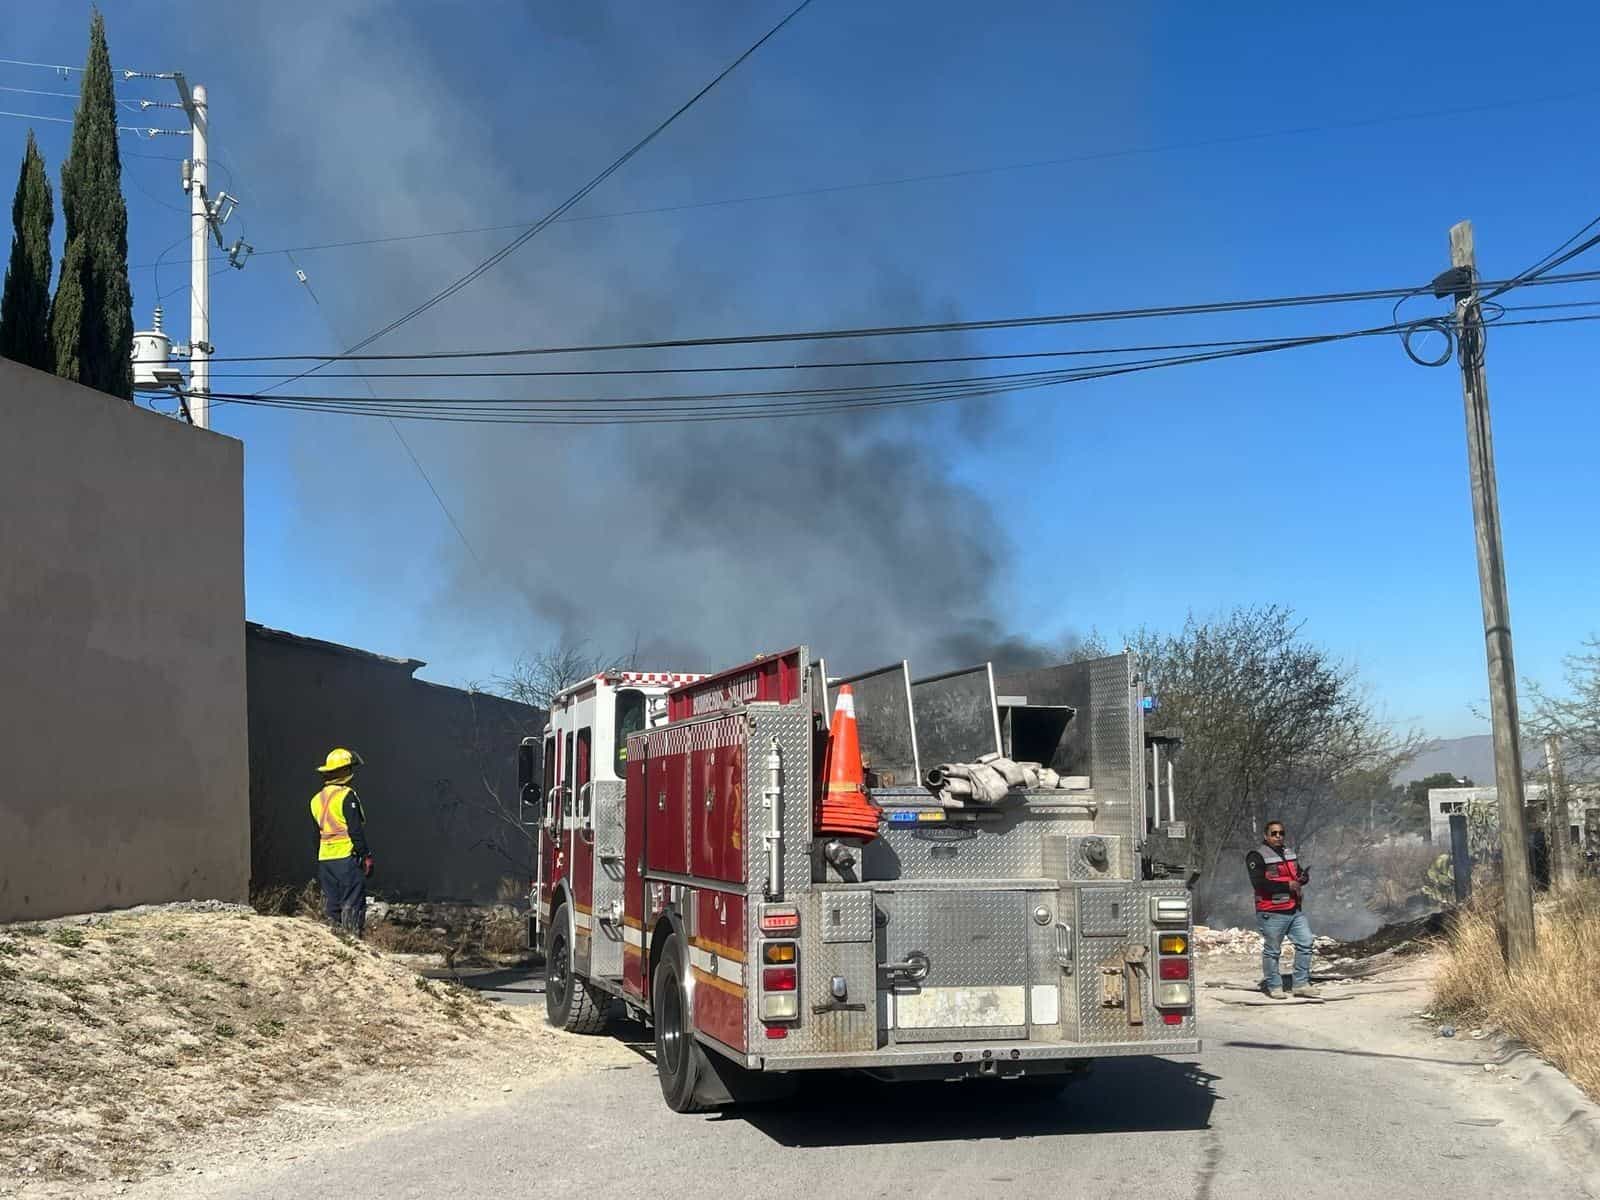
1243	941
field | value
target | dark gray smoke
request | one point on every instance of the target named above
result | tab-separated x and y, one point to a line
870	536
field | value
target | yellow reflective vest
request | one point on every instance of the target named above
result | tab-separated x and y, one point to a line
327	810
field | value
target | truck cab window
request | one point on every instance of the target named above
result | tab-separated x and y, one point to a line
630	719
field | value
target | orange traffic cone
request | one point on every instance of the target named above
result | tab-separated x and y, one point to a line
845	810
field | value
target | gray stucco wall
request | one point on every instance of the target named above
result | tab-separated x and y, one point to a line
122	689
435	827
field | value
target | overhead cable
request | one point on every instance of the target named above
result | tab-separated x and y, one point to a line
1126	314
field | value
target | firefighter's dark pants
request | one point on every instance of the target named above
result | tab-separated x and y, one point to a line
344	894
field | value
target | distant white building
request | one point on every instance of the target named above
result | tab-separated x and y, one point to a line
1481	805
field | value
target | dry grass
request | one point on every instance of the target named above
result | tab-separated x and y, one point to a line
1553	1004
461	935
405	939
304	900
122	1038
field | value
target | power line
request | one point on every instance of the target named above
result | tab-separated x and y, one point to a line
62	67
673	407
617	164
1549	262
145	132
687	409
933	177
787	367
988	324
61	95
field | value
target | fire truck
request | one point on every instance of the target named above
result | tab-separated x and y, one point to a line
683	875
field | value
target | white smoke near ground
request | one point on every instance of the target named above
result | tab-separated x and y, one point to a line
867	535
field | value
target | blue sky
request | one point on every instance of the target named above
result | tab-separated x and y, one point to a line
1330	480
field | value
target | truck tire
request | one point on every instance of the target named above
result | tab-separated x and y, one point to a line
568	1002
680	1062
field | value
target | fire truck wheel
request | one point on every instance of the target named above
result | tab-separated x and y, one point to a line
568	1004
680	1062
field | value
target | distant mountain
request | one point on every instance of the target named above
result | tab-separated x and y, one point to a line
1469	756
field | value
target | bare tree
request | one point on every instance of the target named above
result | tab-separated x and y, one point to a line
1572	714
490	733
537	678
1273	726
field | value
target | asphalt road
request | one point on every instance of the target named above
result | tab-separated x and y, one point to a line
1341	1099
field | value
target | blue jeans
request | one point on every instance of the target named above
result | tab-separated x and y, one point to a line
1274	926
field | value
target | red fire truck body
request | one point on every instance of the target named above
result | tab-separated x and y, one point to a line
680	872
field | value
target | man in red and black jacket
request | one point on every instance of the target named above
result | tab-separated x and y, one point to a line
1278	879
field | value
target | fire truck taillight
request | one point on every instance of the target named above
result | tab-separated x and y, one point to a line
778	979
1174	968
1170	910
1174	943
1174	995
779	918
781	1006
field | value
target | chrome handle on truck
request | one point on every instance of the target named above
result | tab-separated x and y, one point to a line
914	969
1064	946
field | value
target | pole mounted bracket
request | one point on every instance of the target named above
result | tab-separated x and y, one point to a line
1457	282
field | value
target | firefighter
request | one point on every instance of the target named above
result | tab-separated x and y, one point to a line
1278	879
344	861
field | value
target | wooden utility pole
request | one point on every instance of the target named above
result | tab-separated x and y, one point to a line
1496	607
1558	831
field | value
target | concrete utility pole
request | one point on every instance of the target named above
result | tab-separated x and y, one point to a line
152	348
1558	831
1496	607
199	267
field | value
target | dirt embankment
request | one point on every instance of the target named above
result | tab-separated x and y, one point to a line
123	1037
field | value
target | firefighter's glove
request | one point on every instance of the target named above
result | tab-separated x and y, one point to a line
366	866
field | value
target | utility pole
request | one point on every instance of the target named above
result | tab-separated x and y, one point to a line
1559	829
199	266
1496	607
153	349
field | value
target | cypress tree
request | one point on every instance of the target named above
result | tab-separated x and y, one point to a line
91	320
25	304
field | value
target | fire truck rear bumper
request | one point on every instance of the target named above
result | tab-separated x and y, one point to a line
980	1057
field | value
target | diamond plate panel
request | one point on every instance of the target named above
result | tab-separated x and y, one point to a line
1117	752
1010	846
1042	965
791	725
832	1032
968	1033
1096	1022
1105	911
847	916
606	951
841	1029
970	940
